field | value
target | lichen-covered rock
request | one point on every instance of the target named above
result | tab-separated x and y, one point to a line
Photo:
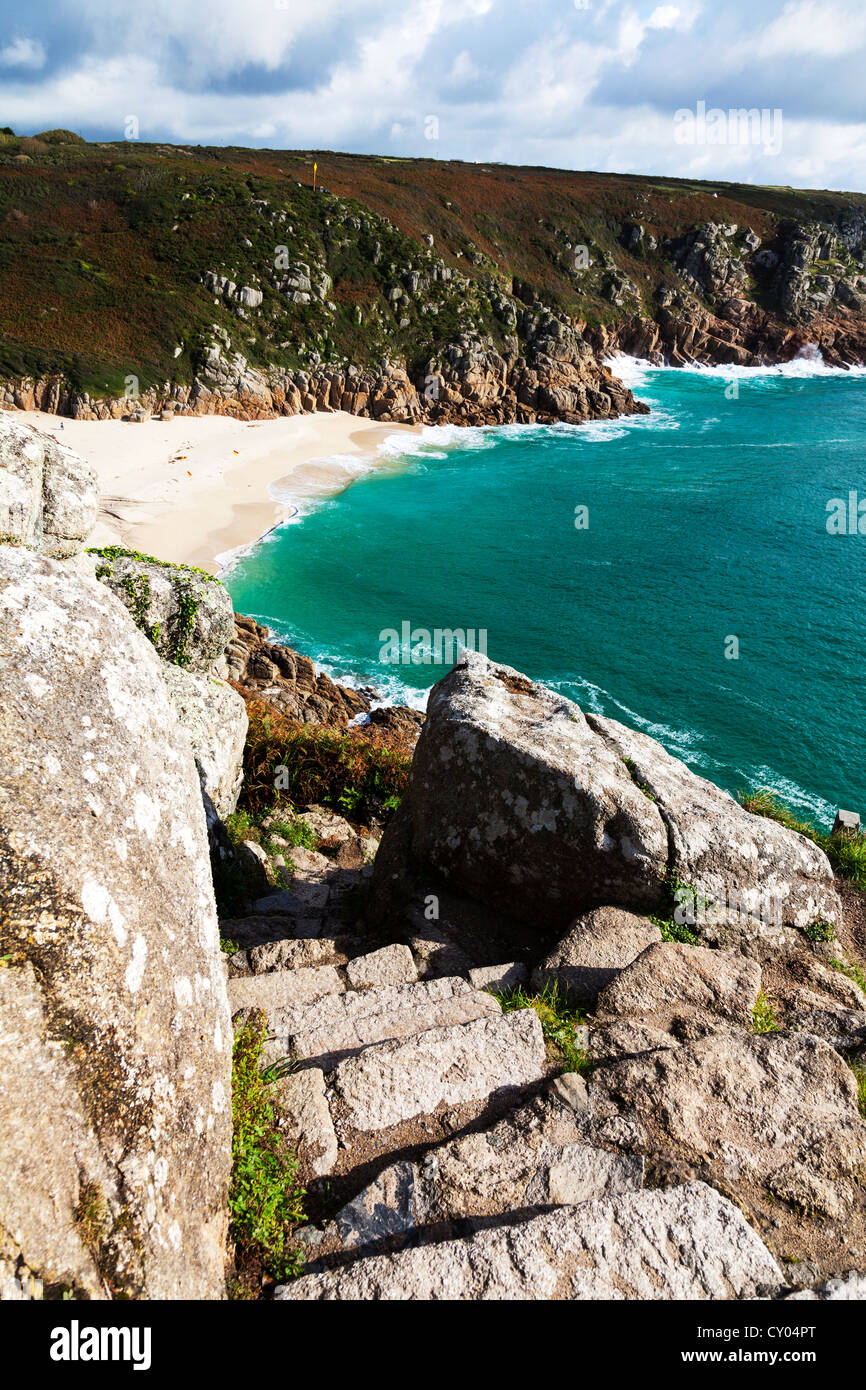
184	612
740	863
669	980
48	494
524	804
215	718
114	1026
515	801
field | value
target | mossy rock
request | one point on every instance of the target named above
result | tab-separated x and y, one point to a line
183	611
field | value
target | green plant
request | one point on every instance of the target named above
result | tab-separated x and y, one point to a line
764	1015
860	1077
642	786
675	931
819	931
558	1021
265	1197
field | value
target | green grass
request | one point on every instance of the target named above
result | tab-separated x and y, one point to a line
860	1077
846	852
265	1198
852	971
764	1014
558	1022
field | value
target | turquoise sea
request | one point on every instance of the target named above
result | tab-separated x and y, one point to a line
706	521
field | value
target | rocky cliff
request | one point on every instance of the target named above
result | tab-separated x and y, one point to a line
577	1025
164	279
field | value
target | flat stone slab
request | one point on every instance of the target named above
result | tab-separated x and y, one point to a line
306	1119
507	1169
304	898
284	988
499	977
685	1243
393	965
334	1027
397	1080
293	955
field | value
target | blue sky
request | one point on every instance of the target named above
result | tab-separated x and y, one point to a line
582	84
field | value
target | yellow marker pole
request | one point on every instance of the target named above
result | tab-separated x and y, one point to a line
315	167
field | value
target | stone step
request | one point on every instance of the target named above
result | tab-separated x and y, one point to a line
394	1081
536	1157
335	1026
688	1242
284	989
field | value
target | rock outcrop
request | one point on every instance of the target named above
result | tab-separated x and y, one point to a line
184	612
215	717
685	1244
284	678
48	494
524	804
115	1088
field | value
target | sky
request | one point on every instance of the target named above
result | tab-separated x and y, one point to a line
612	85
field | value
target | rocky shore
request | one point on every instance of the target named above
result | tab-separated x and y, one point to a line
574	1025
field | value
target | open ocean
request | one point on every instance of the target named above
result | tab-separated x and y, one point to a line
706	522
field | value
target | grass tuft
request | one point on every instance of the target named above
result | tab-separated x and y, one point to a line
852	971
558	1021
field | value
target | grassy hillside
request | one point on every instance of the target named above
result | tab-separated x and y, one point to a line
104	248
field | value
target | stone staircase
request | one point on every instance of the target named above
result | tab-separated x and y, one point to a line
443	1156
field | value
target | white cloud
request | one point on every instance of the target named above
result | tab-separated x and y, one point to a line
555	85
23	53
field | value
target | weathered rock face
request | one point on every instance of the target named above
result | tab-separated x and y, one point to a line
722	851
115	1030
186	614
215	717
779	1110
668	981
48	494
499	805
682	1244
594	950
523	803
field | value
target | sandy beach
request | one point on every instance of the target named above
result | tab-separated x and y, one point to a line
196	488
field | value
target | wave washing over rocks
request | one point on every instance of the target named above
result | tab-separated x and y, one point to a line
696	1152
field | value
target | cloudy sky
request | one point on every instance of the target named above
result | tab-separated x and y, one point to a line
583	84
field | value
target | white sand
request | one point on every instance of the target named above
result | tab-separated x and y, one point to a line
197	487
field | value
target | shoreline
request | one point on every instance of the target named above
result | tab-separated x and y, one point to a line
200	490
